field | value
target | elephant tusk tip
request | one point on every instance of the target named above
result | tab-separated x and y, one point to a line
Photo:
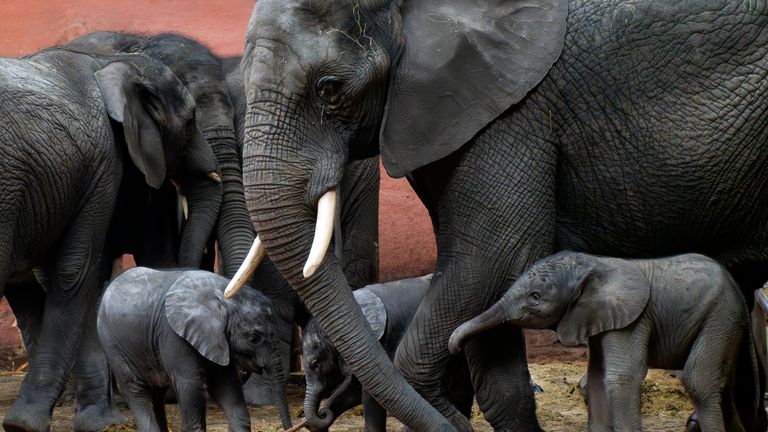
310	269
214	176
231	290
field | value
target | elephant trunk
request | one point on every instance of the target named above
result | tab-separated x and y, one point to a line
340	400
494	316
234	229
279	379
317	421
283	183
204	199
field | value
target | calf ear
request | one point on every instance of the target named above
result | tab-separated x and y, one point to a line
194	307
609	300
127	98
463	63
373	310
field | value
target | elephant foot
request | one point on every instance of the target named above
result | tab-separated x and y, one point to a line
692	425
25	417
95	418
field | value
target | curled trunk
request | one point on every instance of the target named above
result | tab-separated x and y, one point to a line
316	421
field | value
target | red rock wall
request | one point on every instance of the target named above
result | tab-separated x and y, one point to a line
406	239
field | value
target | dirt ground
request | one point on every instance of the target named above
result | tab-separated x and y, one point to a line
555	368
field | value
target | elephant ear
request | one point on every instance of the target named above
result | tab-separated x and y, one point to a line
127	98
194	307
373	310
463	64
611	298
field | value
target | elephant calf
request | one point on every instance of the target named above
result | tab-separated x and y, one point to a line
683	312
174	328
388	308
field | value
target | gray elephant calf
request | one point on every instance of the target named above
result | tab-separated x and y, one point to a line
388	308
683	312
174	328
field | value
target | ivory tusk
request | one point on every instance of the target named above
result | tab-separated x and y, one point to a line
244	273
214	176
326	207
184	207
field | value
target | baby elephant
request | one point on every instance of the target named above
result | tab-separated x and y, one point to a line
683	312
388	308
174	328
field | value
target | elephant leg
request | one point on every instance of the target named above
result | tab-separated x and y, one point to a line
375	415
710	360
487	234
459	385
498	363
141	402
73	288
158	407
599	416
624	368
224	387
95	409
27	300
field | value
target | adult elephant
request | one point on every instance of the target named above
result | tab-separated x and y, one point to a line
358	239
201	73
150	223
78	127
624	129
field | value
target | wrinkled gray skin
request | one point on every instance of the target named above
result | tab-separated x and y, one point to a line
359	202
150	231
76	127
682	312
163	329
630	129
388	308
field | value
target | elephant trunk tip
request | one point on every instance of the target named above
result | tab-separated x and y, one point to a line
457	338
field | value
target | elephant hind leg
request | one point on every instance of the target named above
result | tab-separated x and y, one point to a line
706	373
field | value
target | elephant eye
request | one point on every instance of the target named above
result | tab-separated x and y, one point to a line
329	90
315	364
535	295
256	338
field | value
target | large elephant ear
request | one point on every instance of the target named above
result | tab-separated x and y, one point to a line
373	310
611	298
194	307
126	97
464	63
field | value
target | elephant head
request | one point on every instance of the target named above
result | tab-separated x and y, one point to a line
330	81
200	71
327	374
578	295
241	330
157	115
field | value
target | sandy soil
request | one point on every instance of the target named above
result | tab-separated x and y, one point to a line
555	368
